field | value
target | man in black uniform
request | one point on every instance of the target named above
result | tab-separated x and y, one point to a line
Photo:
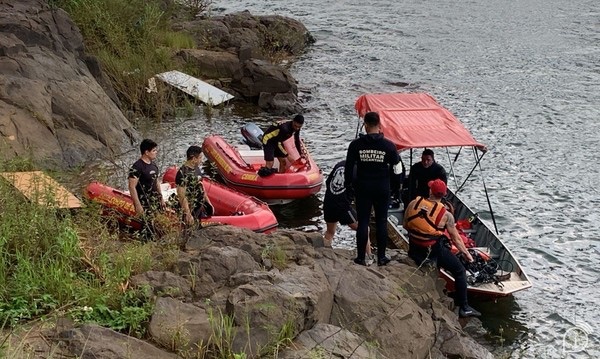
374	157
193	201
337	206
273	143
421	173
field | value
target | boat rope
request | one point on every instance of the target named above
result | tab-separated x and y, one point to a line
358	127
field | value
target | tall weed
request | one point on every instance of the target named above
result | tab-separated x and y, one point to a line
133	41
59	262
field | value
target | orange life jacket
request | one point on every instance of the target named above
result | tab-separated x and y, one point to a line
422	221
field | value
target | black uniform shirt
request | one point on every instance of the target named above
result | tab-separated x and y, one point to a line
373	156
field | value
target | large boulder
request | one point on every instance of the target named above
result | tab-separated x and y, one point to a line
52	108
260	43
295	300
272	87
257	76
211	64
93	341
268	35
313	301
163	284
178	325
368	301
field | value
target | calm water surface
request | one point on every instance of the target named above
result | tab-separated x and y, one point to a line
524	78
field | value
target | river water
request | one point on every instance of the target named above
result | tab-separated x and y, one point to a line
524	77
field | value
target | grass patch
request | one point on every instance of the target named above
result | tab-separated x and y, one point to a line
276	255
57	264
60	263
133	41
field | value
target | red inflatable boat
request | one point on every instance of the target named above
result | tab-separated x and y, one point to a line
231	207
239	169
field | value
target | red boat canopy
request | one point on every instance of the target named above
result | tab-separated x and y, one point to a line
416	120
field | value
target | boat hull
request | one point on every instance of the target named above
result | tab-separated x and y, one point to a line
238	168
231	207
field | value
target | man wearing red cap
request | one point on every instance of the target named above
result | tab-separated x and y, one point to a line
426	219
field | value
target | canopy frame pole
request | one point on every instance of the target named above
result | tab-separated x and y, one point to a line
487	196
477	162
452	172
358	127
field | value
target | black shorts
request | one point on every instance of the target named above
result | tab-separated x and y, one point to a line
334	214
272	150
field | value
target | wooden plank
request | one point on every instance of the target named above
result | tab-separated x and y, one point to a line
195	87
38	187
513	284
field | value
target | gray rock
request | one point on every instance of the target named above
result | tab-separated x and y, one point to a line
258	41
329	341
163	284
314	301
456	344
180	326
211	64
257	76
95	342
369	302
51	106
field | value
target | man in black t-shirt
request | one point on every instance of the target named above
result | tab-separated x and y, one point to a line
143	181
337	206
374	157
192	198
421	173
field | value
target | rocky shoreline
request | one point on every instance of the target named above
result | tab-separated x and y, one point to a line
284	282
57	105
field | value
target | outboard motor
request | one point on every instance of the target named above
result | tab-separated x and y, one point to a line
253	136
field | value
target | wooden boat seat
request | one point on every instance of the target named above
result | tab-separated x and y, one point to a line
510	285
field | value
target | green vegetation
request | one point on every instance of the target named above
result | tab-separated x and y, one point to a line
133	41
276	255
285	335
223	333
60	264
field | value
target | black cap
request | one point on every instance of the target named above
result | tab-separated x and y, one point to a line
299	119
